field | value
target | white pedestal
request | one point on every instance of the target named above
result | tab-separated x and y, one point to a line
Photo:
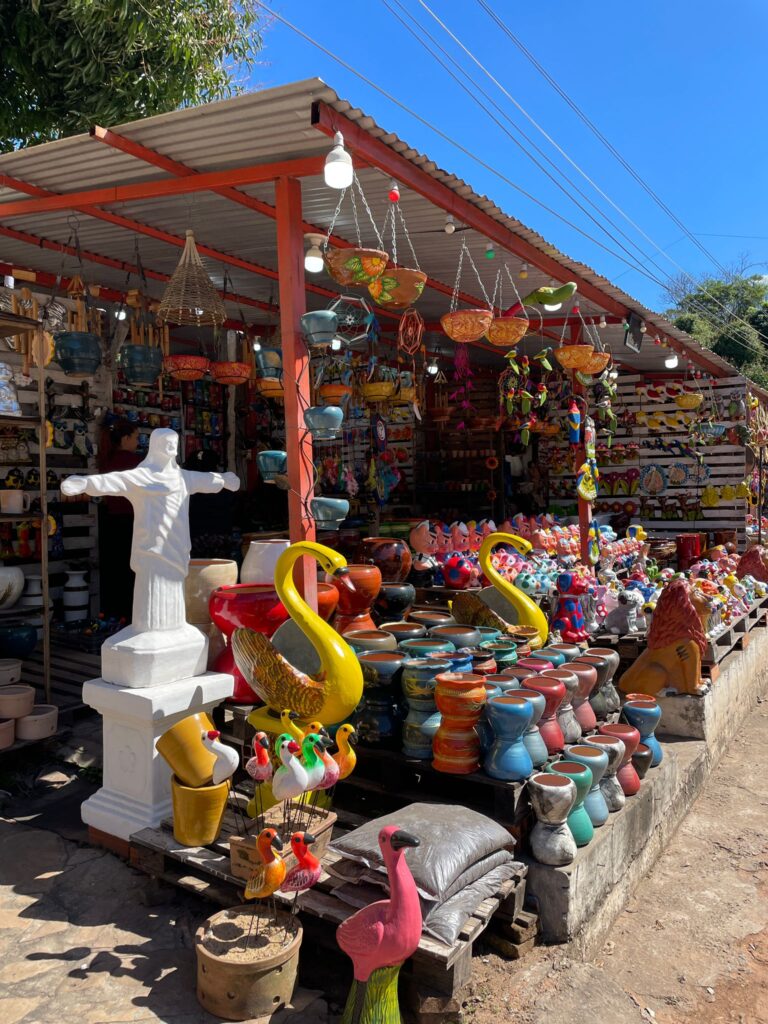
136	792
149	658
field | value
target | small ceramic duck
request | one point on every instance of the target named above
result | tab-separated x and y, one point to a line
290	779
227	760
345	757
288	722
259	767
312	762
308	870
268	876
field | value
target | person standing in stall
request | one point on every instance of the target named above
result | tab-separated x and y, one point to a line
118	451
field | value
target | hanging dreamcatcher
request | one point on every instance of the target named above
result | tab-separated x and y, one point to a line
398	287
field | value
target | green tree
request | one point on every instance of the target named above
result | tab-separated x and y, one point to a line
67	64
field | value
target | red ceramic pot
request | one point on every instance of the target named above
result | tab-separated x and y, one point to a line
536	664
391	556
582	709
357	590
627	775
553	691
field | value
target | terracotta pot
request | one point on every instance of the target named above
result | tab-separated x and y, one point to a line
392	556
357	590
232	373
355	266
630	737
464	325
398	287
378	391
334	394
574	357
186	367
182	747
429	618
506	331
246	989
198	812
460	697
269	387
206	575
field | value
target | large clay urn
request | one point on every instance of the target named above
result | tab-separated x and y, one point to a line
572	732
552	798
553	691
391	556
612	699
628	778
357	589
460	697
582	709
610	786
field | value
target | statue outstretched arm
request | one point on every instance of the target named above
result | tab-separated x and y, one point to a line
98	483
211	483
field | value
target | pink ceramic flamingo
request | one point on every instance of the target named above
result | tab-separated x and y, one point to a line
259	767
386	933
308	870
332	770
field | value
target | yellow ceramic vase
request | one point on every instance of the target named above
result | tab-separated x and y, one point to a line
182	747
198	812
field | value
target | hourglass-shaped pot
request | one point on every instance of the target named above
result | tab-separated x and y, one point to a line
645	715
578	820
568	722
602	667
611	694
508	758
460	697
552	797
642	760
484	728
582	709
520	673
552	653
569	651
597	762
610	786
532	738
553	691
628	778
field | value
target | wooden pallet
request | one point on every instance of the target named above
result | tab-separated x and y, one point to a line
204	871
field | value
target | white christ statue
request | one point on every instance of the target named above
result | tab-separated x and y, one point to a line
159	491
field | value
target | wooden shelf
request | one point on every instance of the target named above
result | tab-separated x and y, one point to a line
22	517
19	421
12	323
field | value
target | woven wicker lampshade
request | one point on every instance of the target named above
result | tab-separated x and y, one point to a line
190	297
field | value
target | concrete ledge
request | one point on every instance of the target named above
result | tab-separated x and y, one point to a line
578	904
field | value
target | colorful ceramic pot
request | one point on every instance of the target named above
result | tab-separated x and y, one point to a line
567	720
460	697
324	421
357	589
532	738
428	617
504	682
483	664
578	821
553	691
610	786
520	673
78	352
182	748
504	652
140	363
355	266
381	668
612	699
466	325
397	287
645	716
569	651
630	737
426	645
597	699
394	602
459	636
642	759
484	729
329	513
230	372
508	757
488	634
319	327
186	367
552	798
419	728
525	635
361	640
261	560
597	762
451	661
404	630
391	556
379	722
272	465
552	654
418	678
269	362
537	658
198	812
582	709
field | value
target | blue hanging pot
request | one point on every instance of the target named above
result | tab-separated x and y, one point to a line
271	465
319	327
269	362
329	513
140	363
324	421
78	352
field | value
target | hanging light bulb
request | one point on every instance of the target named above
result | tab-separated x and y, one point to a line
313	258
256	346
671	361
603	322
614	374
9	281
554	306
336	345
394	192
490	253
338	171
120	314
432	368
657	340
450	225
523	271
643	327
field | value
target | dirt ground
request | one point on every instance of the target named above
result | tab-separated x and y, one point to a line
84	939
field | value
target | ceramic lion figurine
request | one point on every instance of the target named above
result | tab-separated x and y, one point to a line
753	563
676	643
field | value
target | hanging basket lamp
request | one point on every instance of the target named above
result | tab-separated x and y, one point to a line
190	296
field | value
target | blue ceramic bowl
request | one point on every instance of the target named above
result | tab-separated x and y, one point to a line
140	363
78	351
319	327
272	464
324	421
329	513
17	641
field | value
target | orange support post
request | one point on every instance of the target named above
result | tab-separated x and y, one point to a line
298	442
585	509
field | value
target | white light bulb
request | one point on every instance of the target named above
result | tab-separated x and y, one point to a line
603	322
433	369
671	361
450	226
9	281
336	345
643	327
614	374
120	314
256	345
553	308
338	171
524	270
313	259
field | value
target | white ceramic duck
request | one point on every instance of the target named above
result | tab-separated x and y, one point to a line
290	780
227	759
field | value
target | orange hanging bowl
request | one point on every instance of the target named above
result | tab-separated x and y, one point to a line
269	387
466	324
574	357
506	331
689	400
398	288
378	391
334	394
230	372
597	362
186	367
355	266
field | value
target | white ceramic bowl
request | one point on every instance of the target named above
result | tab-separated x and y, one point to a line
7	732
11	585
16	701
39	724
10	671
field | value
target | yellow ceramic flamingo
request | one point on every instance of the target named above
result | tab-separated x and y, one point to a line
528	612
337	689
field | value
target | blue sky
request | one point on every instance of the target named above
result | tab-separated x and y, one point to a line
678	88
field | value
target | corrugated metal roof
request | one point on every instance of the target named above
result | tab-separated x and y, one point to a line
260	127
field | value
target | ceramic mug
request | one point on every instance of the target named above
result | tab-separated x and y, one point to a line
14	502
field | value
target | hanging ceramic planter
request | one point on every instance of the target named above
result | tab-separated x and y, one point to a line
397	287
78	352
329	513
334	394
186	367
269	387
355	266
574	357
272	465
319	327
140	363
324	421
506	331
378	391
466	325
230	372
269	362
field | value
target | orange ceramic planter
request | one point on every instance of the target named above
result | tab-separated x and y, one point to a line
460	697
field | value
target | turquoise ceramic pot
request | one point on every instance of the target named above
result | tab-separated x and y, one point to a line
272	464
269	362
140	363
597	762
554	655
426	645
319	327
578	820
503	652
488	634
508	758
324	421
78	352
329	513
381	668
645	716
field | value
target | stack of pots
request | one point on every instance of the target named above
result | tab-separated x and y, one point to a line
20	717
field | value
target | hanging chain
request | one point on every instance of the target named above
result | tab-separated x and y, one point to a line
407	236
497	292
390	215
356	181
517	293
477	273
455	294
354	214
334	218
